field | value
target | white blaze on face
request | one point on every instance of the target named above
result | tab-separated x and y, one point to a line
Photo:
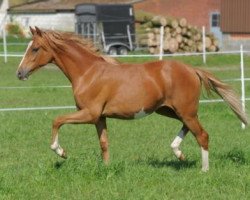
29	45
140	114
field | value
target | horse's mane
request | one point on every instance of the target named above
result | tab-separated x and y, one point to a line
61	40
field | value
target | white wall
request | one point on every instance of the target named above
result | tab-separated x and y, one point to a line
55	21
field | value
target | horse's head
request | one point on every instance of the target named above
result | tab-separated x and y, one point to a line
36	55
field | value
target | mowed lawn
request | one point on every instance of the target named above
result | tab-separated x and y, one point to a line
142	164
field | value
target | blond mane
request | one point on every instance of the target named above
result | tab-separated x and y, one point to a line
61	41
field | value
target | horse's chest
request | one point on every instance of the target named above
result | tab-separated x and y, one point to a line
82	100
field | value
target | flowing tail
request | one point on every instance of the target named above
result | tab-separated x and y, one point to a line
210	82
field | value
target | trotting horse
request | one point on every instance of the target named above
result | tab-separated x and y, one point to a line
104	88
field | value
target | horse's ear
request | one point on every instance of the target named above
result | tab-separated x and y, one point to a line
32	30
38	31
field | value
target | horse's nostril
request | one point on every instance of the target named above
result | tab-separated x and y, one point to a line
19	74
22	74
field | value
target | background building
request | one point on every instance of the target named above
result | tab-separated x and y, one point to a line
227	19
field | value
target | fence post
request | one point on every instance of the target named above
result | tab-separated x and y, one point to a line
242	81
4	45
129	38
103	41
161	42
204	44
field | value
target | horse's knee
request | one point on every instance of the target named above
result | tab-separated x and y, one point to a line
57	123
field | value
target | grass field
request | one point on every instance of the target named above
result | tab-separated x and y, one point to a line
142	163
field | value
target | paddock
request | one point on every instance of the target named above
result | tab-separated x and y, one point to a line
29	170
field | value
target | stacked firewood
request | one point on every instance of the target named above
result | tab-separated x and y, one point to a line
179	36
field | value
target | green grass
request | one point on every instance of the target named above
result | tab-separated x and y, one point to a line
15	44
142	163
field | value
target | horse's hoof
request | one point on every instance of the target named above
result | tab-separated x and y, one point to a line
204	170
106	162
64	155
182	157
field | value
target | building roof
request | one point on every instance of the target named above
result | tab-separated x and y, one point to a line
18	2
50	6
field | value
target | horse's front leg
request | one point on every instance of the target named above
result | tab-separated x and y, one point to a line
79	117
103	138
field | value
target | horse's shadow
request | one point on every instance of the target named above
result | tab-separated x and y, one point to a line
59	164
153	162
175	164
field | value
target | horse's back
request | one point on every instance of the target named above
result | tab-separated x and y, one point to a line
167	78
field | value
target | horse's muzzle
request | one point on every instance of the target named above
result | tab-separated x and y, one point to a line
22	74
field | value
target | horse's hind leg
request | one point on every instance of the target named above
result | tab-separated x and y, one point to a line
169	112
177	141
202	138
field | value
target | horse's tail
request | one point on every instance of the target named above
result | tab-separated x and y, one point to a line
210	82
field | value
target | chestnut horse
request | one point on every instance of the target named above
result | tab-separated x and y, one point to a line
104	88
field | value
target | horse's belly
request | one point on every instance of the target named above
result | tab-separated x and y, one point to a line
136	115
133	101
126	112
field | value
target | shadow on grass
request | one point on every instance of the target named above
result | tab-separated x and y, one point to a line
175	164
166	162
59	164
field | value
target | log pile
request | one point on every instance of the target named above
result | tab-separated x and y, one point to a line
179	36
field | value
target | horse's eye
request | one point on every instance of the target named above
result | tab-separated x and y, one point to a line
35	50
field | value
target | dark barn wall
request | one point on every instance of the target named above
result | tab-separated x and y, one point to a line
235	24
235	16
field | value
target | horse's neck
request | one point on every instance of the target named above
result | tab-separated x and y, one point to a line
74	64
